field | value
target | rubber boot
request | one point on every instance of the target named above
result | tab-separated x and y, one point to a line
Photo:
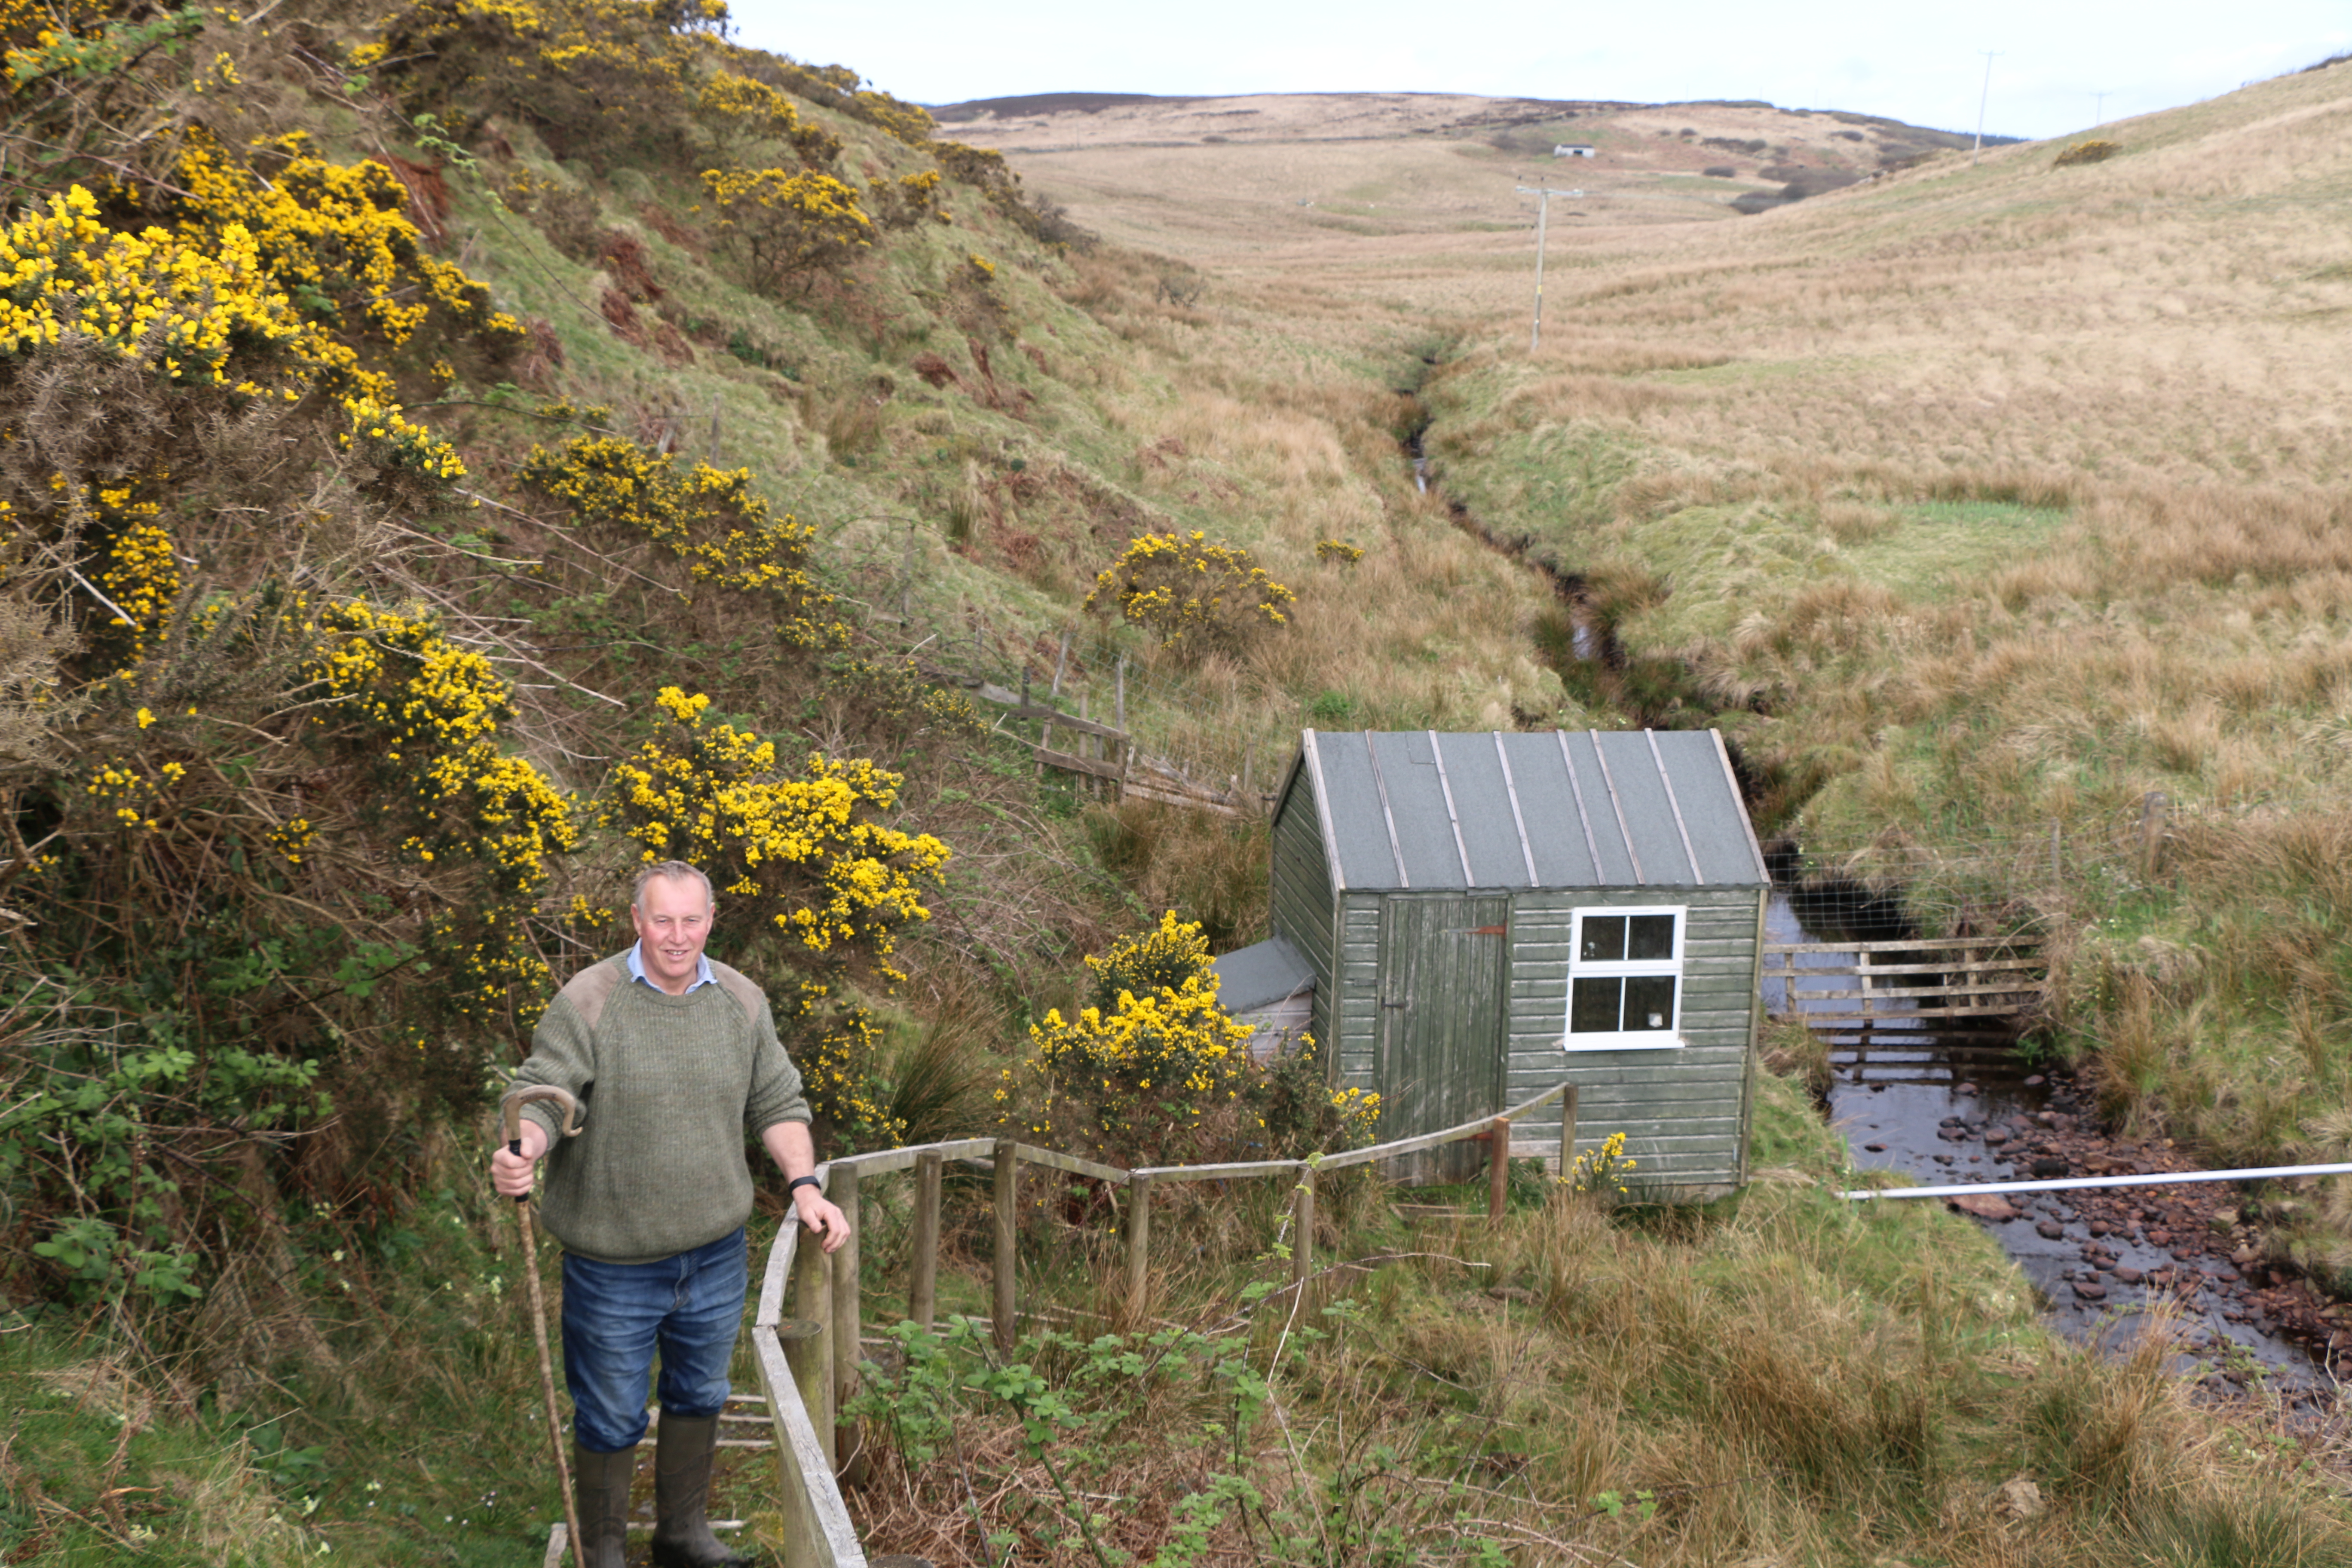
683	1448
600	1490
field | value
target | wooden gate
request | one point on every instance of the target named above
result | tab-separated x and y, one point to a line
1906	982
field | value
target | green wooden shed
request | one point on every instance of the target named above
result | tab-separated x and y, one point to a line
1487	914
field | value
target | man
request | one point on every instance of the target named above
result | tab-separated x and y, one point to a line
673	1058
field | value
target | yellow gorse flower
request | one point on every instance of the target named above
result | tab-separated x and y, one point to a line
806	851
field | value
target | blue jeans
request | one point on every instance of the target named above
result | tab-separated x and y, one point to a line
615	1314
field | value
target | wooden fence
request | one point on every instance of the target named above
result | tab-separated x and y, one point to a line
1108	756
1906	982
808	1360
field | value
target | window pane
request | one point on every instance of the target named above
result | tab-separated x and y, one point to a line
1649	1002
1604	941
1652	936
1593	1007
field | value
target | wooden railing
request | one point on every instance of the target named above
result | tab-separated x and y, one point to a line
1982	977
808	1359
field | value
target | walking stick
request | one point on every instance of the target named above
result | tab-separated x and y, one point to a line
511	1108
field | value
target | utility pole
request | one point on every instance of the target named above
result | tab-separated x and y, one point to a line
1984	98
2099	109
1543	195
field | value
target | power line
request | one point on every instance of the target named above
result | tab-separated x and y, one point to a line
1544	194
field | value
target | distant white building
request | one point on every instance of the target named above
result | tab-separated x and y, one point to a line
1573	150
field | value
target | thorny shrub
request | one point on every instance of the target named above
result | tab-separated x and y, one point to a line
779	225
1154	1071
738	107
708	521
838	1048
1197	597
2085	153
558	66
908	200
808	853
221	757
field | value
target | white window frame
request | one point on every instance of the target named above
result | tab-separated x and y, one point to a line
1623	1039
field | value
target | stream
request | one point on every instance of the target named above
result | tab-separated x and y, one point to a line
2108	1265
1948	1106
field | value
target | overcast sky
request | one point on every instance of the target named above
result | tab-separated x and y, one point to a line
1911	62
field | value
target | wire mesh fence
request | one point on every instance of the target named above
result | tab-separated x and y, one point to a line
1978	879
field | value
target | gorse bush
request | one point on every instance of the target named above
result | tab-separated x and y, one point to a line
806	853
2085	153
1195	596
781	225
1155	1071
691	534
741	104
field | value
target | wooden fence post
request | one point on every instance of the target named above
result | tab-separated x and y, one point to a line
2152	812
847	1315
1302	1242
1568	1133
812	1358
923	1291
1008	1170
1138	1235
1498	1167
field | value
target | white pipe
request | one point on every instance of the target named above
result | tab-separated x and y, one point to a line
2159	1179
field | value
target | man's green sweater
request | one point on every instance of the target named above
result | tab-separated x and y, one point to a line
668	1086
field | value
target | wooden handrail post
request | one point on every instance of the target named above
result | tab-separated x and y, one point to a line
1138	1235
1568	1133
923	1291
1498	1167
1302	1241
847	1318
2152	811
812	1358
1008	1172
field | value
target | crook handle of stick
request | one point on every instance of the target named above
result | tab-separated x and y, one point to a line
510	1108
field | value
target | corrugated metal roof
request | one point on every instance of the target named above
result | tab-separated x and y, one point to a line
1558	809
1261	975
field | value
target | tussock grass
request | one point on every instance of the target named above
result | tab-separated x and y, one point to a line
1783	1378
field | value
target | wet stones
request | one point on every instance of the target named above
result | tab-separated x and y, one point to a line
2121	1250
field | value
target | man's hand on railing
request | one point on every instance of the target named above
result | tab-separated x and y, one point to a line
820	1215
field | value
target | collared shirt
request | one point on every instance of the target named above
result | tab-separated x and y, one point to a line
702	976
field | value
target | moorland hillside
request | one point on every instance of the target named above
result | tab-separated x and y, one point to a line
1978	502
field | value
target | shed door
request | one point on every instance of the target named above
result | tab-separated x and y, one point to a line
1443	967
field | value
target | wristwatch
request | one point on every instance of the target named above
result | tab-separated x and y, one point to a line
802	1182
